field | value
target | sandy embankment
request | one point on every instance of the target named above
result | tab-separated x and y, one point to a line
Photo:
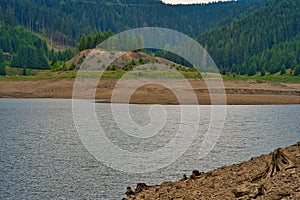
272	176
237	92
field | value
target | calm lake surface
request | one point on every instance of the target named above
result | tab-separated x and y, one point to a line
42	157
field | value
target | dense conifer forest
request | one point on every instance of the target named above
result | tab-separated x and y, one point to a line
266	40
243	37
67	20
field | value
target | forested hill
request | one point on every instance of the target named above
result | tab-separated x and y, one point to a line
27	50
248	35
202	17
240	46
67	20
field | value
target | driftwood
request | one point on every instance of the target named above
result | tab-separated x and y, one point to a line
279	162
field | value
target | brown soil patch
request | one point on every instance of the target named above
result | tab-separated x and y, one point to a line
237	92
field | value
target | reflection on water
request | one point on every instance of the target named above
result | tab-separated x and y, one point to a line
41	155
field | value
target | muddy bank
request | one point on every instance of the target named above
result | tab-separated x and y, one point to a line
237	92
272	176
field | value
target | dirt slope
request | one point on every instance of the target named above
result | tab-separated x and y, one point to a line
242	92
272	176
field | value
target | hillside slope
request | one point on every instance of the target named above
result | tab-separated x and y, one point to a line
201	17
272	176
27	50
75	18
232	46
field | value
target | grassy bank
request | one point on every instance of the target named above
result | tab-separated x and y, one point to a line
286	78
15	74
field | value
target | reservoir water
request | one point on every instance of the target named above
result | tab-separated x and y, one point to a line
42	156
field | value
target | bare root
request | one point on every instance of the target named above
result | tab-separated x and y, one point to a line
279	162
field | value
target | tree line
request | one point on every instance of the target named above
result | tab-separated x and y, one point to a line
92	40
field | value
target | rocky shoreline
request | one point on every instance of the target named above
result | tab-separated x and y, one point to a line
272	176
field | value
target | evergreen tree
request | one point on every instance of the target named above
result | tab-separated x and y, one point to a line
2	69
263	71
90	42
251	70
297	71
283	69
83	43
24	71
1	56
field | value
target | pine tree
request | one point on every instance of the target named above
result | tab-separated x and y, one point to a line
83	43
252	68
1	56
283	69
2	69
297	70
90	42
263	71
24	72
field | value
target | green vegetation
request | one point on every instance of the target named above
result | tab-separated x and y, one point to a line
2	64
251	40
268	38
92	40
2	69
274	78
279	58
61	66
27	50
15	74
204	17
162	75
76	18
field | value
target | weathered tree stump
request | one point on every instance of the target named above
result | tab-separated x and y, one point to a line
195	174
140	187
279	162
